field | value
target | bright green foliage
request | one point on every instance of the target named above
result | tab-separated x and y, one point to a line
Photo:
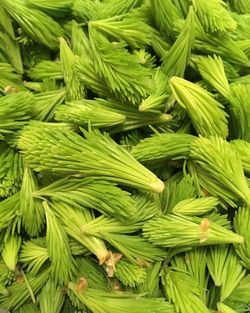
232	72
45	32
70	307
240	111
243	149
146	58
196	264
110	302
91	156
51	298
8	210
206	113
123	74
224	308
244	44
174	230
73	220
225	269
100	195
56	8
219	169
241	227
102	225
159	45
8	39
242	30
165	14
6	276
46	104
79	40
76	248
20	290
15	111
129	139
182	290
239	299
193	262
46	69
245	79
195	207
177	58
31	209
124	156
28	308
146	205
158	99
182	6
92	272
151	285
89	272
5	23
75	302
177	189
133	247
134	118
11	170
220	219
87	10
34	254
75	90
135	33
117	7
89	76
240	6
10	251
212	70
129	274
9	78
62	264
163	147
214	16
85	112
85	67
223	46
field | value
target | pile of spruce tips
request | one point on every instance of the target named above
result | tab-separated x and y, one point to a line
125	156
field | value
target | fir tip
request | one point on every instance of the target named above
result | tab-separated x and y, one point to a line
166	117
142	107
158	186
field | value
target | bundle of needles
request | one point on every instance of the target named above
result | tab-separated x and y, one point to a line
125	156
